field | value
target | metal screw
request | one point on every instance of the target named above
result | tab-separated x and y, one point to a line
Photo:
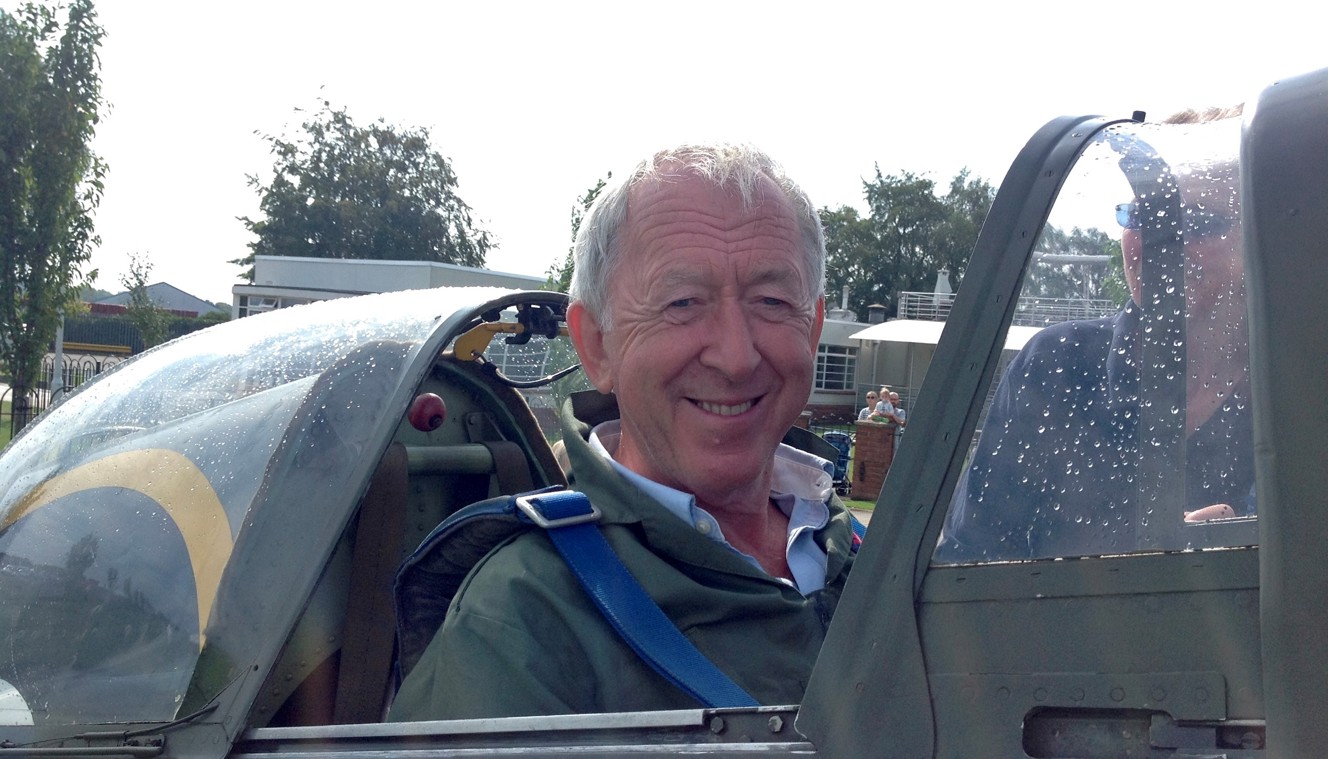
716	725
776	723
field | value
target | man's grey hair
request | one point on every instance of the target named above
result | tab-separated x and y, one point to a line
734	167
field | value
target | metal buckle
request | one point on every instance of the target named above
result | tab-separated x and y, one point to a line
527	507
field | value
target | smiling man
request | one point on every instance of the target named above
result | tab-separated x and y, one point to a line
697	305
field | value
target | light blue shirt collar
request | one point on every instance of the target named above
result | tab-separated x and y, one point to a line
801	486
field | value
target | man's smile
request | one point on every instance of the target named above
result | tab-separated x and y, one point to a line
726	409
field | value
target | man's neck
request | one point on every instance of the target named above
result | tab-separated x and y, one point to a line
758	530
750	522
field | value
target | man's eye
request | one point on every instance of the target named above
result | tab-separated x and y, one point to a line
776	302
682	303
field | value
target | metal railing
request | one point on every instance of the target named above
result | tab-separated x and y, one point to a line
1029	311
76	368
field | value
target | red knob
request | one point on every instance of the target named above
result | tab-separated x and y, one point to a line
427	412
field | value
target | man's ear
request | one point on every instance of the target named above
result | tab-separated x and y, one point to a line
1132	260
589	341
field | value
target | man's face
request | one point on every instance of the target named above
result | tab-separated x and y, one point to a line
713	338
1216	331
1214	265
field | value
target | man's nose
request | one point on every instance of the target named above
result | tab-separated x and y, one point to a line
730	343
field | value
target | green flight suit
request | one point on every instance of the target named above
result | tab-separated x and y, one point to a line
523	638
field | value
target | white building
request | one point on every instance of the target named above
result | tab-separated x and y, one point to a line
282	281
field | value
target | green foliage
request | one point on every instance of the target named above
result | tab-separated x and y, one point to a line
50	179
4	422
910	233
216	317
1090	279
560	276
1114	287
89	293
344	191
141	311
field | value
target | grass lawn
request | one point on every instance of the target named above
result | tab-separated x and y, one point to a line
4	423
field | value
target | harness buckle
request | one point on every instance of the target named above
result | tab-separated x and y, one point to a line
528	506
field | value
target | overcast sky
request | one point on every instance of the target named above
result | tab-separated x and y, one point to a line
533	102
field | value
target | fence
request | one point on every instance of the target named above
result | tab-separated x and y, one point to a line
1029	311
78	365
92	344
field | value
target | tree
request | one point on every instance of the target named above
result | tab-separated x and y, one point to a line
560	276
851	256
344	191
1055	273
88	293
561	352
141	311
910	234
50	179
222	314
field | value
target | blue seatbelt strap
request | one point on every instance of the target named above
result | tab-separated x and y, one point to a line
859	532
569	519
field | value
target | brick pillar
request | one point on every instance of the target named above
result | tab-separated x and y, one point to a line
873	450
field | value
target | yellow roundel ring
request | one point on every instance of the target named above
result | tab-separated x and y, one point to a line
176	484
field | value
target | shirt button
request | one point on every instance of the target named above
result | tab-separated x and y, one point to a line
704	526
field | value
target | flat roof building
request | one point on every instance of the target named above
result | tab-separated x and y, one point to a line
282	281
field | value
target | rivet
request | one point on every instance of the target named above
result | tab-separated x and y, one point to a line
716	725
776	723
1117	694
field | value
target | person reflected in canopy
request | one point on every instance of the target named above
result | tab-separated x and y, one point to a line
1057	468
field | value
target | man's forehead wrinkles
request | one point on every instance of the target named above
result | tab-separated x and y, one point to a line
683	272
696	221
709	276
679	242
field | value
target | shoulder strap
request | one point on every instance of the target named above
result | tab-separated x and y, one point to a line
570	518
430	578
859	531
366	641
